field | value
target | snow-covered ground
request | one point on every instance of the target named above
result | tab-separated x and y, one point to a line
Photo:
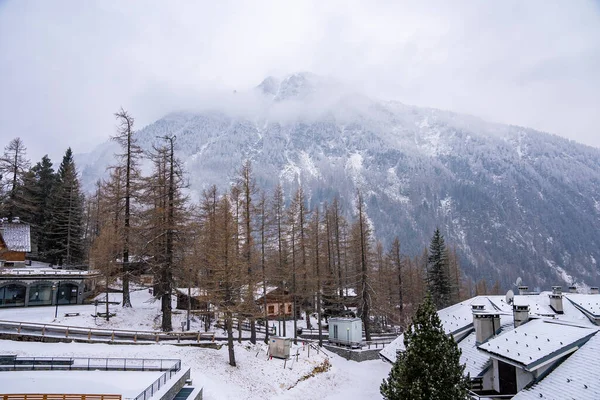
255	377
129	384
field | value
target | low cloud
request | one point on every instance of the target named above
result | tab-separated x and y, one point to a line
67	66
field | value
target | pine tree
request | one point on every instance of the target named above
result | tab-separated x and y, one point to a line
438	280
66	230
430	366
46	182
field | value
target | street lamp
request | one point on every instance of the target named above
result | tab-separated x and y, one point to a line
56	288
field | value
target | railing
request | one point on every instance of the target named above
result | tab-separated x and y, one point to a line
157	384
46	272
55	396
170	366
377	343
85	333
475	396
8	363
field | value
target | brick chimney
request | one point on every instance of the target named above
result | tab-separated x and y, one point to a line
520	314
556	299
486	324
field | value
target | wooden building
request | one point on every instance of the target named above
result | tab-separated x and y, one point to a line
279	303
15	242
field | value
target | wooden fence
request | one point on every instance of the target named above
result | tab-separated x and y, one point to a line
53	396
111	335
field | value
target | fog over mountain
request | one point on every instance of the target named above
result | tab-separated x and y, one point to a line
515	201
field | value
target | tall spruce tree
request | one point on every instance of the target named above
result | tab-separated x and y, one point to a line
66	229
46	180
430	366
438	280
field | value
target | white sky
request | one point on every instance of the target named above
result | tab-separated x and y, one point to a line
67	66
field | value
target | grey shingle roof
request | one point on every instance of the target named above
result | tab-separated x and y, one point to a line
577	377
16	236
537	341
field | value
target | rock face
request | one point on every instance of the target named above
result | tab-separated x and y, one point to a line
515	202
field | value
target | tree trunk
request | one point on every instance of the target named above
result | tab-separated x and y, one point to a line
230	348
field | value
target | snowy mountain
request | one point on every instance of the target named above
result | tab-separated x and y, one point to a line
515	201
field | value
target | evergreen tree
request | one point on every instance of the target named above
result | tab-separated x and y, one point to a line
430	366
46	180
66	229
438	280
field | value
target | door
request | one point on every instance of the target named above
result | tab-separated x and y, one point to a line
507	375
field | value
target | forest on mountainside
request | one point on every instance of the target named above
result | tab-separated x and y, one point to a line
233	246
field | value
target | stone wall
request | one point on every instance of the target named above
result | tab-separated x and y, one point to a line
354	355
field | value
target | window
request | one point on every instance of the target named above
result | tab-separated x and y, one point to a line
335	331
271	309
289	308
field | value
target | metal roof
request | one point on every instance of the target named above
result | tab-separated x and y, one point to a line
537	342
476	361
576	378
589	303
17	237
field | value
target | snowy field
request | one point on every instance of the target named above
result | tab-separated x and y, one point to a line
255	377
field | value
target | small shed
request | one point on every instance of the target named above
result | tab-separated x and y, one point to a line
279	347
345	331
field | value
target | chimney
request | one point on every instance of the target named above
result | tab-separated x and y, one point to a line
556	289
486	324
556	299
520	314
594	290
523	290
572	289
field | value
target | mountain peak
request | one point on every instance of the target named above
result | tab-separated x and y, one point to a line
297	86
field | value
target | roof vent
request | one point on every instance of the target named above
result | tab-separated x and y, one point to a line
523	289
486	325
556	302
556	289
520	314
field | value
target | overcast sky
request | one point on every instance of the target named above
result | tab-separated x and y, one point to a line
67	66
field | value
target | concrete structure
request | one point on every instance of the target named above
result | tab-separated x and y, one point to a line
23	287
279	347
345	331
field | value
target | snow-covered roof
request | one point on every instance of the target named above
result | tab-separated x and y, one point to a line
195	292
537	342
586	303
458	319
16	236
575	378
475	360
